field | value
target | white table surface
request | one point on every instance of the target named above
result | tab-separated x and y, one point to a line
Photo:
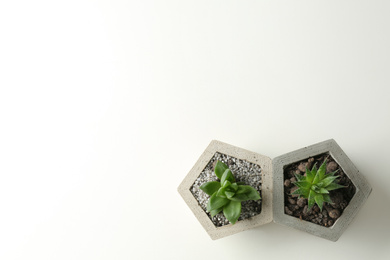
106	105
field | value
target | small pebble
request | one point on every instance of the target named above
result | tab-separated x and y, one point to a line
293	179
230	162
302	167
331	167
288	211
301	202
287	183
330	223
334	213
310	163
292	201
214	163
305	212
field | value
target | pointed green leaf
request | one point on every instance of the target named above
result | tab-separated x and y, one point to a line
220	168
210	187
331	173
327	198
208	203
329	180
307	171
321	171
310	175
216	202
227	176
249	191
244	189
319	200
304	192
311	200
302	184
334	186
323	191
215	211
314	168
316	178
244	193
232	211
299	177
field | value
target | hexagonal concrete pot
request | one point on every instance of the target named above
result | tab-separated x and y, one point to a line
265	215
363	190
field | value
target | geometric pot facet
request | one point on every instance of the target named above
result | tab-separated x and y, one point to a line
260	161
362	192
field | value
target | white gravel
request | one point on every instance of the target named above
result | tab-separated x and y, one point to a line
243	171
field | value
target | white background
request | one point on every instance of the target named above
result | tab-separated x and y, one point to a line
106	105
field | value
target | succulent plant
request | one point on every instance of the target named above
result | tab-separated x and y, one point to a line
227	194
315	185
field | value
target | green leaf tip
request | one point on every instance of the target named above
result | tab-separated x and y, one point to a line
227	176
220	168
210	187
232	211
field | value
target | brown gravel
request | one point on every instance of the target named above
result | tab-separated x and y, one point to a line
297	207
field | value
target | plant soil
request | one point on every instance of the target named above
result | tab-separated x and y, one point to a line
243	171
297	207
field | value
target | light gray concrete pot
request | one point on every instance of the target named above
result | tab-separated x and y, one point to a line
273	190
363	190
266	190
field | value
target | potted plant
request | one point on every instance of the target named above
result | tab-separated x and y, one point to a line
227	195
321	201
223	189
316	189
